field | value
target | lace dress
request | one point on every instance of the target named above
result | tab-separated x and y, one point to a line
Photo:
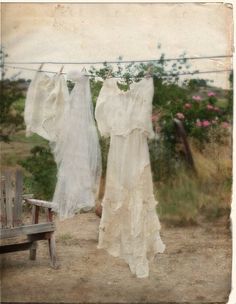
44	100
77	152
129	226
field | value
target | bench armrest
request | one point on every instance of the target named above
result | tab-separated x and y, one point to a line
24	196
40	203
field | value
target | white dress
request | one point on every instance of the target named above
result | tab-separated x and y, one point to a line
77	152
44	105
129	226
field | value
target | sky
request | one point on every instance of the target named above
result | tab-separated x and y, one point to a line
103	32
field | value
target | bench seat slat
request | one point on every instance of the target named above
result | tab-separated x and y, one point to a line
27	229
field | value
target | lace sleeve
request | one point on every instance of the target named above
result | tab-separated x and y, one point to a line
147	110
102	111
29	104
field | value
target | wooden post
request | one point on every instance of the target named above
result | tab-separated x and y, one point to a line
17	209
182	134
10	196
3	202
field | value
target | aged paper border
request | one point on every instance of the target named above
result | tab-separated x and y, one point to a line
229	3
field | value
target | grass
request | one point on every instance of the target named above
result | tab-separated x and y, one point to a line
19	148
186	196
178	199
34	139
67	239
222	103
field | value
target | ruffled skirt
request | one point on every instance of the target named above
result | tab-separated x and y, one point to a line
130	226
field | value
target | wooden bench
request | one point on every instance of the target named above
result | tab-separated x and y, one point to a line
12	225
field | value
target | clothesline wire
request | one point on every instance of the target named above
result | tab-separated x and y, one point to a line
97	76
121	61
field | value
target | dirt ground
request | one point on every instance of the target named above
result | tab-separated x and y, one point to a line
196	268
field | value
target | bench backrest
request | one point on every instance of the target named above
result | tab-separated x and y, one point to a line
11	198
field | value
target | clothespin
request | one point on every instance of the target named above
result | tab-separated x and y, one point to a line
84	71
40	67
149	71
61	69
109	73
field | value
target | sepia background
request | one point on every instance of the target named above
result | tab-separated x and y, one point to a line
103	32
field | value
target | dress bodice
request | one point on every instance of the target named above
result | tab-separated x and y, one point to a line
120	112
40	100
77	77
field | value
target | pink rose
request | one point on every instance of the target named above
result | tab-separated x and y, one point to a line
154	117
206	123
214	122
180	116
198	123
210	94
188	106
225	124
216	109
197	98
210	107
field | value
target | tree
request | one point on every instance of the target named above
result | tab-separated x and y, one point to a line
11	120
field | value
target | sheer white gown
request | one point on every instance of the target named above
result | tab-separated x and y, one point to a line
67	121
77	152
129	226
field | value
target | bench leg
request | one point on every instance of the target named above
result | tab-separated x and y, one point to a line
52	251
33	250
35	220
52	242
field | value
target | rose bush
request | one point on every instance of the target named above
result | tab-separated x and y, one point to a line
198	114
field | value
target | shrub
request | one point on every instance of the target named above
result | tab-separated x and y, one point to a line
42	168
199	115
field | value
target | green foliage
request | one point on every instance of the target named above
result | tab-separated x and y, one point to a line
104	144
11	118
95	89
167	95
42	168
129	72
163	161
230	97
194	84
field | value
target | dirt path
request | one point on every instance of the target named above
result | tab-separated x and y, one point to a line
196	267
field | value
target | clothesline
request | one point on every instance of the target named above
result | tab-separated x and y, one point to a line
121	61
162	75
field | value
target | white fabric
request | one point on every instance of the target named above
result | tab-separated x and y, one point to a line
129	226
67	121
54	108
77	152
44	105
